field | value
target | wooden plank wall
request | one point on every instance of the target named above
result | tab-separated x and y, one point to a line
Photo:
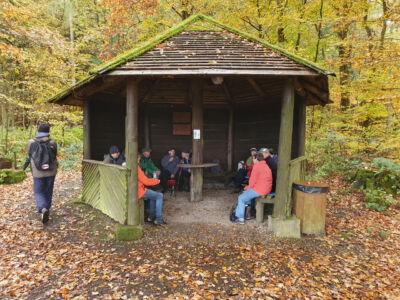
161	137
107	128
256	125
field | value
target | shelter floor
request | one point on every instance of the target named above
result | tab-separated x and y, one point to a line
214	209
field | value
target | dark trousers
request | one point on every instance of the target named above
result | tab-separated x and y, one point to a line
43	192
240	176
184	181
164	177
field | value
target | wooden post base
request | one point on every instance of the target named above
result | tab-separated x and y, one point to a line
196	190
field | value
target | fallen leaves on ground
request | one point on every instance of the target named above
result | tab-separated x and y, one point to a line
76	257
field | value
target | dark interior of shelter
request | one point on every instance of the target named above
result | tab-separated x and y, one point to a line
165	112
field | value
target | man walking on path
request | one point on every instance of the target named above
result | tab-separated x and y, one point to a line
42	153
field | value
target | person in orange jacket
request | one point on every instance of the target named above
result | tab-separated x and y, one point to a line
155	198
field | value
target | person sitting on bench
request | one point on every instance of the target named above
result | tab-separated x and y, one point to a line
184	173
170	168
245	171
155	198
269	159
260	184
114	157
147	164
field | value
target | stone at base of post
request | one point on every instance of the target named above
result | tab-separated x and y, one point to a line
285	228
128	232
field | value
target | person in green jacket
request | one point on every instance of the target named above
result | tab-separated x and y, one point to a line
147	165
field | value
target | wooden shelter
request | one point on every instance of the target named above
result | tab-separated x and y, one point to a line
202	86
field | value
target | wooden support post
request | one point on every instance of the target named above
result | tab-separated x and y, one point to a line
86	129
284	151
302	127
196	191
230	139
132	106
146	127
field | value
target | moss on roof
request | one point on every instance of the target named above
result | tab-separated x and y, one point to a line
184	25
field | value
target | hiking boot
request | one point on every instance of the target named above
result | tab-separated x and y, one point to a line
237	189
248	213
238	221
45	215
160	222
150	219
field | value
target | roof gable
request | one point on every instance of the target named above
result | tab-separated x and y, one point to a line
203	23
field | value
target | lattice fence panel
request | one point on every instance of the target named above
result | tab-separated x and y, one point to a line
105	188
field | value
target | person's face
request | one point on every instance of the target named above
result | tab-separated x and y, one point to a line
115	155
171	152
146	154
138	159
253	153
185	155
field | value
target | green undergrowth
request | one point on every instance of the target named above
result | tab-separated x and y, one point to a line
8	176
69	140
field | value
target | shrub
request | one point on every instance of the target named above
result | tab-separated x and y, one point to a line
8	176
378	199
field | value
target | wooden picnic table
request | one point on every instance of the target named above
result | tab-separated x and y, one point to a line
191	166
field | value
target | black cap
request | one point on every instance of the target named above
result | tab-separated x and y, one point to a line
185	151
146	149
44	128
114	149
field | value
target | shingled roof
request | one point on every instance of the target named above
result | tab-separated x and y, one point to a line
201	45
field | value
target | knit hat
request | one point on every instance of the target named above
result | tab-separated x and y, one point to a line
146	149
264	150
114	149
44	128
253	149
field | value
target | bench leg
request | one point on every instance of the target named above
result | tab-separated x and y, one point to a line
259	212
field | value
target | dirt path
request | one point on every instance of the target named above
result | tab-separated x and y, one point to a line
76	256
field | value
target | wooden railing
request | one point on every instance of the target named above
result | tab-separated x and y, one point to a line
297	172
105	188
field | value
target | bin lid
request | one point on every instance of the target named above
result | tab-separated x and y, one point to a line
310	187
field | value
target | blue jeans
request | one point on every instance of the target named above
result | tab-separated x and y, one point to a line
245	199
43	192
156	203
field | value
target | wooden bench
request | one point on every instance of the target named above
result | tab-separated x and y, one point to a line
260	201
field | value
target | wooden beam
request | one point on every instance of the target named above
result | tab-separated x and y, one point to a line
146	127
132	106
151	91
302	126
86	130
299	88
196	191
228	94
256	87
282	199
230	139
315	90
96	86
233	72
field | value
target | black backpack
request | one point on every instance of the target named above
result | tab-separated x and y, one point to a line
43	155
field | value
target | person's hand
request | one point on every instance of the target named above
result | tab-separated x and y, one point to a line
146	173
246	187
171	159
172	176
158	173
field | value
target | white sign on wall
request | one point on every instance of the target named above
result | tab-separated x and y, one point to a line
196	134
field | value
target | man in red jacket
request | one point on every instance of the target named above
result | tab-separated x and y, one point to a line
260	184
155	198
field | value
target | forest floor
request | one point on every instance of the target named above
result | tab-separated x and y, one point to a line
75	256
